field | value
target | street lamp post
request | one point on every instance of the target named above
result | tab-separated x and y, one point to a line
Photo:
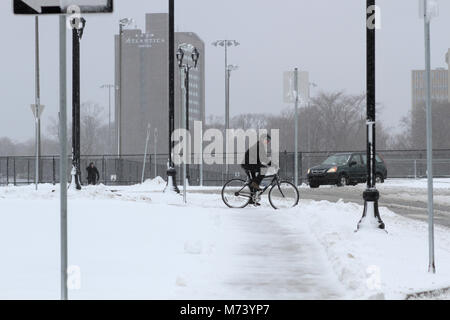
171	171
186	67
225	43
109	87
77	34
371	216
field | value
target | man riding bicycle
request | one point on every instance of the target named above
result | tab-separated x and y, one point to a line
239	193
256	158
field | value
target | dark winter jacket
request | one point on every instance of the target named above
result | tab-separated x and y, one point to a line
255	156
93	174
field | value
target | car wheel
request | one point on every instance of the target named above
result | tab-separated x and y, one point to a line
379	178
342	180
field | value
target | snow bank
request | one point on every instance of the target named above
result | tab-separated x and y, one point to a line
374	264
138	242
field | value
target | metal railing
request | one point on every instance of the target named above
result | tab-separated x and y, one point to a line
127	170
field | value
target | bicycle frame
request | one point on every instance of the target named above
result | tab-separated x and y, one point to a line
274	180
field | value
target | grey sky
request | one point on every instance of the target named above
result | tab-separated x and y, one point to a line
324	37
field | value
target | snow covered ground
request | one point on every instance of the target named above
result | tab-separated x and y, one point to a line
137	242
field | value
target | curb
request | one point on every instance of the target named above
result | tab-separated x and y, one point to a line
428	294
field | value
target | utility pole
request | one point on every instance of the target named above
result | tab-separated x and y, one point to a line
77	34
63	154
145	153
37	108
155	144
109	87
429	11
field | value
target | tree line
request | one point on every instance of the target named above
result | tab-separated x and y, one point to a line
333	121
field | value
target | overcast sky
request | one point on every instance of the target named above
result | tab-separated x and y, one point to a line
324	37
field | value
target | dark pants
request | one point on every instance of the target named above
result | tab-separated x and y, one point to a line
254	171
92	180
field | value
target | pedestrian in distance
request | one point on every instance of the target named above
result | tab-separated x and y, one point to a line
93	174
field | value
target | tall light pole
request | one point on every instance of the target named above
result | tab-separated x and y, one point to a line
109	87
122	24
296	127
155	144
171	171
371	216
429	9
311	84
225	43
37	108
186	67
230	69
145	153
63	155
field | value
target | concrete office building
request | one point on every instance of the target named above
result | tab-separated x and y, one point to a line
439	86
145	84
447	59
440	93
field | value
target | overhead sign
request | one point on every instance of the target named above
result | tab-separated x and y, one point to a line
61	6
289	92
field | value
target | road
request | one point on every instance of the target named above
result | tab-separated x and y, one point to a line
408	202
413	206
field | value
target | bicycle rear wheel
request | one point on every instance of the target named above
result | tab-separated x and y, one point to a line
284	195
236	193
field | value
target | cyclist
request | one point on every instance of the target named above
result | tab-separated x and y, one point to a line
256	158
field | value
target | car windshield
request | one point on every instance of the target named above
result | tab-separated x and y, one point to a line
337	160
377	157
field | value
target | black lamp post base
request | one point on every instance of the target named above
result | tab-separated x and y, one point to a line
371	216
75	183
171	181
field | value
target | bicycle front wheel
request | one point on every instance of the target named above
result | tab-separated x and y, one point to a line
236	193
284	195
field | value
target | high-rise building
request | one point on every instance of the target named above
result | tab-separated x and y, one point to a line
439	86
447	59
145	84
440	93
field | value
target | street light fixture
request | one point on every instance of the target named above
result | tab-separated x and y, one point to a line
186	67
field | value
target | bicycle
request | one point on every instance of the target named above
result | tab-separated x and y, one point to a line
238	194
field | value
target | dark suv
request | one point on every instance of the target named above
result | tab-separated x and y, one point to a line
345	169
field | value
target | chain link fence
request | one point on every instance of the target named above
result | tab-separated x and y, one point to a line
127	170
